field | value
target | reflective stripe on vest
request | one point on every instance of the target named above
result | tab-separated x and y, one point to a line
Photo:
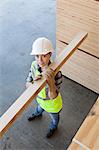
49	105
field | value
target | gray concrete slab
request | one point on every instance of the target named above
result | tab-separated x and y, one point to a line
20	23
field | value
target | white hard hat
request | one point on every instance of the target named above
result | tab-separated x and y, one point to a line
41	46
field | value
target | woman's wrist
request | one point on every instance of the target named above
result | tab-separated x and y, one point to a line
52	93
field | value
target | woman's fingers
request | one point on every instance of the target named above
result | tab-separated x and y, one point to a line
49	73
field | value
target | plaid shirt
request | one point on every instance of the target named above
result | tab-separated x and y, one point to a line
57	78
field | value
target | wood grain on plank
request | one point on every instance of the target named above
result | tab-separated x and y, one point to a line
73	16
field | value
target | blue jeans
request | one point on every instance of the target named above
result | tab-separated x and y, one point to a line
54	117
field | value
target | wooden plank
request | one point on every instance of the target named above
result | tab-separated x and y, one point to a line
89	9
73	16
86	47
87	136
25	99
75	146
81	68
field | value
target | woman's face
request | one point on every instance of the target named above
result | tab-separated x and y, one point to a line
43	60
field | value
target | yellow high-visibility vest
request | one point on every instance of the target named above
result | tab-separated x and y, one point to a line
49	105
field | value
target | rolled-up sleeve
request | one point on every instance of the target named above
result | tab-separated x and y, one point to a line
58	80
29	77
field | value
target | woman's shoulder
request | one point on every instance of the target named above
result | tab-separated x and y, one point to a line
34	64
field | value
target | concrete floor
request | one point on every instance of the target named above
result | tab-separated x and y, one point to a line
20	23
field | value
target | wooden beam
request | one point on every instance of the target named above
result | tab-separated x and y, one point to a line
82	68
87	137
25	99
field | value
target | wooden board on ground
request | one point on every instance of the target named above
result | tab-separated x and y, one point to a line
25	99
87	137
81	68
75	146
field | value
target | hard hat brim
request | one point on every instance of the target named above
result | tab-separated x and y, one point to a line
41	53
